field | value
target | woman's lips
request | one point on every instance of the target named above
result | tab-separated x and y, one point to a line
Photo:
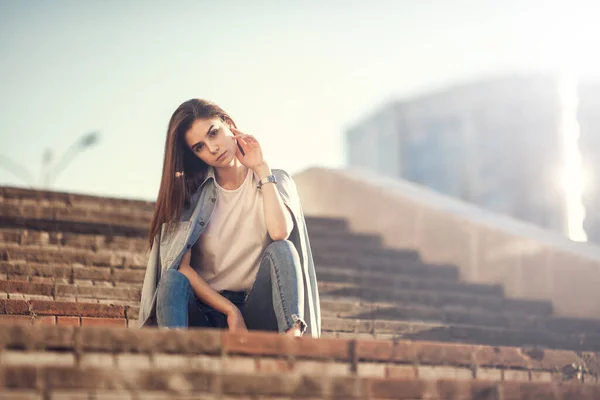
221	156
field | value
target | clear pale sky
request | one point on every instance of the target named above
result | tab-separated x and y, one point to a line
294	74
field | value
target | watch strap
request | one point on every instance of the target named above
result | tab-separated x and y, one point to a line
267	179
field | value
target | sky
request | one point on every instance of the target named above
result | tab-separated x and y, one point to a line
296	75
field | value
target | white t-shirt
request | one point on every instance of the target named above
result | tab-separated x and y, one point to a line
228	253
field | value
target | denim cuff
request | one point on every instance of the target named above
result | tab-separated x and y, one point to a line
296	319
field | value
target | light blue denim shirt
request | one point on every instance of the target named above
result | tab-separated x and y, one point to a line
175	239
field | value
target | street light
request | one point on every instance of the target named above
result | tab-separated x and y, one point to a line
84	142
77	147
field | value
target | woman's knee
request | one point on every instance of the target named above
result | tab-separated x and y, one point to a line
280	248
173	281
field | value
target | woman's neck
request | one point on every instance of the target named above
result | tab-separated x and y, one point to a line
231	177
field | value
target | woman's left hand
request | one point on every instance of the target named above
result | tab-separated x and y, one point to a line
253	156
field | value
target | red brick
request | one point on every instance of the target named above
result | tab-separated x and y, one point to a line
20	377
14	306
499	357
14	286
77	309
38	336
68	321
103	321
385	350
396	388
455	390
46	320
322	348
488	391
273	365
577	391
444	353
273	385
529	390
260	343
549	360
400	371
127	275
515	375
15	319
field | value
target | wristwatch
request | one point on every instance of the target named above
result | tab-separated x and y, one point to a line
267	179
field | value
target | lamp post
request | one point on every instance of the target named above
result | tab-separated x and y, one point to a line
50	173
84	142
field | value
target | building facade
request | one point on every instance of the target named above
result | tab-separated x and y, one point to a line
589	123
496	143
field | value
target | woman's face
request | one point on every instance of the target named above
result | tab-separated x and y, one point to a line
211	140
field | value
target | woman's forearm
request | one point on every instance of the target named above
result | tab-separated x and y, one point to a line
202	289
277	217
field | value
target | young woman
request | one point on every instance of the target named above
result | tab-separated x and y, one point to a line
229	245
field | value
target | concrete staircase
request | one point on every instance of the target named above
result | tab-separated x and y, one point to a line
71	269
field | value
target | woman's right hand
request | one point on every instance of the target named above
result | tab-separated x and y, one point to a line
235	320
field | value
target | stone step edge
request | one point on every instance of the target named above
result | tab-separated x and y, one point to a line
112	340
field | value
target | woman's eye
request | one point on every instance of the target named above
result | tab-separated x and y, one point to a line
214	132
199	147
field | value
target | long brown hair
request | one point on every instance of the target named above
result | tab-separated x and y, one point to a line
176	189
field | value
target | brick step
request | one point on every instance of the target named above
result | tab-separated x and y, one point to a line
400	281
454	315
459	333
21	213
343	242
130	217
86	227
68	273
56	254
60	254
163	383
89	293
49	312
434	299
63	273
63	199
214	350
385	264
104	282
73	240
56	312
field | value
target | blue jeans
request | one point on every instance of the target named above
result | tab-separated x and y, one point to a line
274	303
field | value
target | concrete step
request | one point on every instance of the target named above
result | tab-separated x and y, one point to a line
434	299
382	311
399	281
386	264
460	333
